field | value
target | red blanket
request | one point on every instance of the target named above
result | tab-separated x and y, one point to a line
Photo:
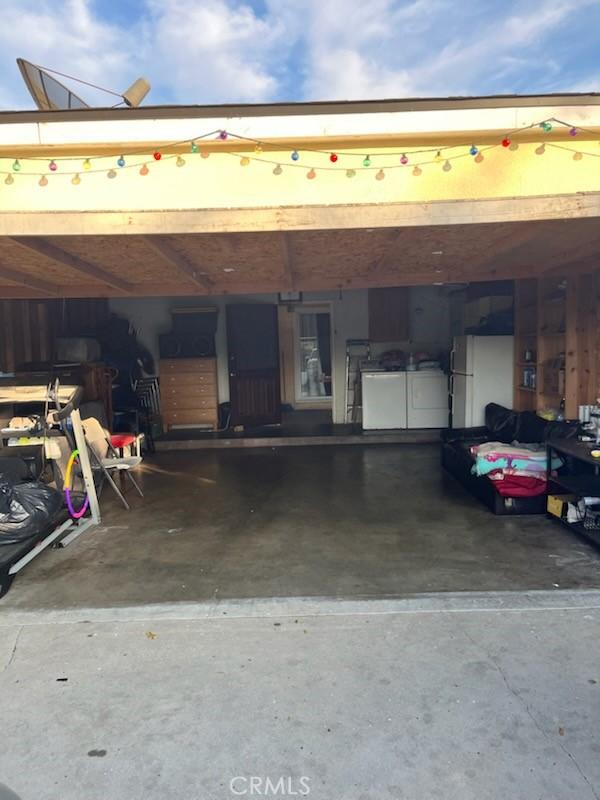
517	485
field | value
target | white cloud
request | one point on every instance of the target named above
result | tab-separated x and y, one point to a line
65	36
213	51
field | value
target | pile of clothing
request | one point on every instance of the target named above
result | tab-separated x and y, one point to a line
517	470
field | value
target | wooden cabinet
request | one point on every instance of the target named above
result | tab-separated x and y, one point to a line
188	391
389	314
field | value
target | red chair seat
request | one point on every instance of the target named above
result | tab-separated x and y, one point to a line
119	440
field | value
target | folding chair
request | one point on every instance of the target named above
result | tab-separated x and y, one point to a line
105	459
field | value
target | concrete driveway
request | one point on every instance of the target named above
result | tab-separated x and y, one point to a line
482	697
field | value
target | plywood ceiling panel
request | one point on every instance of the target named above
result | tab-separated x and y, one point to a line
127	257
275	261
20	259
251	256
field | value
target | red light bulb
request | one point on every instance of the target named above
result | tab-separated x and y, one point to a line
506	142
333	158
157	155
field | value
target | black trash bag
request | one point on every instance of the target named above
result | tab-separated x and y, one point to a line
6	490
31	509
501	423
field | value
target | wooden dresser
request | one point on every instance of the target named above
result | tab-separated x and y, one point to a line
188	391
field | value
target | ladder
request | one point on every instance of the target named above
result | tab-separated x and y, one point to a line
357	351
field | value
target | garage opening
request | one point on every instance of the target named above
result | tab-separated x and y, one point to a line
317	443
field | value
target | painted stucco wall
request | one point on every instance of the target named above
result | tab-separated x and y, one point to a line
220	182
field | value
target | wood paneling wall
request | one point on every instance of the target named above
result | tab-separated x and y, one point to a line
27	331
28	328
581	342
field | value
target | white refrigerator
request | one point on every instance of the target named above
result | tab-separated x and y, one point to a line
482	372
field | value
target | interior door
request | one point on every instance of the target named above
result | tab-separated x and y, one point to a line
253	347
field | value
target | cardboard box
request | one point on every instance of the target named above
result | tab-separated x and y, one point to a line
557	504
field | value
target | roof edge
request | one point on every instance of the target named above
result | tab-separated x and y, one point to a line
305	108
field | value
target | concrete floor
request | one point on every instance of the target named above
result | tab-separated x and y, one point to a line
460	705
321	522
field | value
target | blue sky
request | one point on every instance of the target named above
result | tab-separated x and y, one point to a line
218	51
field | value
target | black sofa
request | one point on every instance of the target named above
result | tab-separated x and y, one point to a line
502	425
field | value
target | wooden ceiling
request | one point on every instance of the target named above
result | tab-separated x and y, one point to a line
246	263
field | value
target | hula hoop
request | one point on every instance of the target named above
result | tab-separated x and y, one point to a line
80	512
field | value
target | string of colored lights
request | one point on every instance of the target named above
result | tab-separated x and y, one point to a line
443	154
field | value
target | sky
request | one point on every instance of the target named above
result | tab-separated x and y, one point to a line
225	51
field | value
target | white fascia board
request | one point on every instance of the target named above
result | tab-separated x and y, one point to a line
409	123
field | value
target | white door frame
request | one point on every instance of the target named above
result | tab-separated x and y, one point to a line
326	402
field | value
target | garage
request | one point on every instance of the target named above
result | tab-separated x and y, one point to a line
272	296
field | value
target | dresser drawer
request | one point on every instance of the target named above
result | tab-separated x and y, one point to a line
191	403
186	380
187	417
183	365
177	391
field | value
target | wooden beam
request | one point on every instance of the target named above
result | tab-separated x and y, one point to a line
271	285
572	337
30	281
308	217
288	260
48	250
166	250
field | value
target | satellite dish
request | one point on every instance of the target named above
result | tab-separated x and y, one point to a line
51	95
48	94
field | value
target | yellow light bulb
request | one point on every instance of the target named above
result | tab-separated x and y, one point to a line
180	161
244	161
76	180
87	164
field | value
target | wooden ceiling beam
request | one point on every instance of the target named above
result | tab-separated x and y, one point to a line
166	250
302	217
57	254
29	281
